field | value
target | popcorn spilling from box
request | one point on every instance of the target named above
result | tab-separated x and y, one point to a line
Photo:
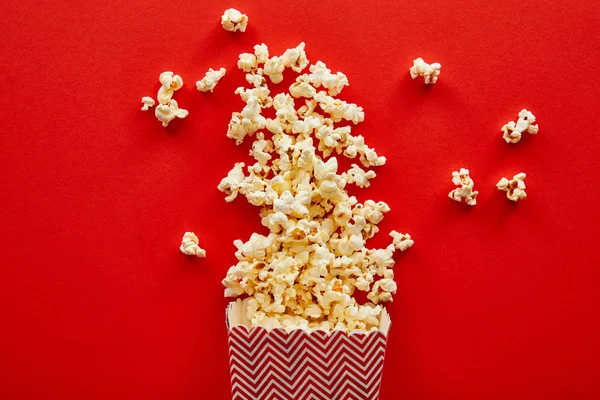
465	190
306	271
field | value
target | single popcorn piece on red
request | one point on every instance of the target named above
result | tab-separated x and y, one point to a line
210	80
170	83
166	113
465	191
429	71
515	188
189	245
148	102
512	132
233	20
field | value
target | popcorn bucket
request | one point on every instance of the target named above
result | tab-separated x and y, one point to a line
302	365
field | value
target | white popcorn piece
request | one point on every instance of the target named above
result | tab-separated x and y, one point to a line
295	58
429	71
321	76
210	80
465	191
304	273
274	69
147	102
166	113
401	241
247	62
301	88
359	176
233	20
512	132
170	84
261	51
515	188
189	245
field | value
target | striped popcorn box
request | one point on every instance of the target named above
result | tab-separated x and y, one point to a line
303	365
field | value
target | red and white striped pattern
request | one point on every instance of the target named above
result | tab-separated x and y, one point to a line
299	365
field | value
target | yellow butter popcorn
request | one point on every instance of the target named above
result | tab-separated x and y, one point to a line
305	271
189	245
430	72
210	80
515	188
465	191
233	20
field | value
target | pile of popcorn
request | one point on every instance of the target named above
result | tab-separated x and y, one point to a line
306	271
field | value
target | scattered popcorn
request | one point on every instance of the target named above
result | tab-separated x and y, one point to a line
515	188
512	131
429	71
170	84
465	191
233	20
167	113
148	103
210	80
189	245
304	272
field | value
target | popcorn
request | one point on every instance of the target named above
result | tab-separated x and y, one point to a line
148	103
189	245
515	188
465	191
210	80
247	62
170	84
233	20
321	75
301	88
359	176
429	71
167	113
401	241
304	273
261	51
512	131
295	58
274	69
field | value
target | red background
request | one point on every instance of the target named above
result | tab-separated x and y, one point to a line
495	302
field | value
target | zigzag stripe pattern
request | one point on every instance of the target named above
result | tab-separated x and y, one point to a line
300	365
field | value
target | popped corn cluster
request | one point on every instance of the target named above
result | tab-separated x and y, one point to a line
465	191
304	273
515	188
168	109
512	131
429	71
189	245
233	20
210	80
